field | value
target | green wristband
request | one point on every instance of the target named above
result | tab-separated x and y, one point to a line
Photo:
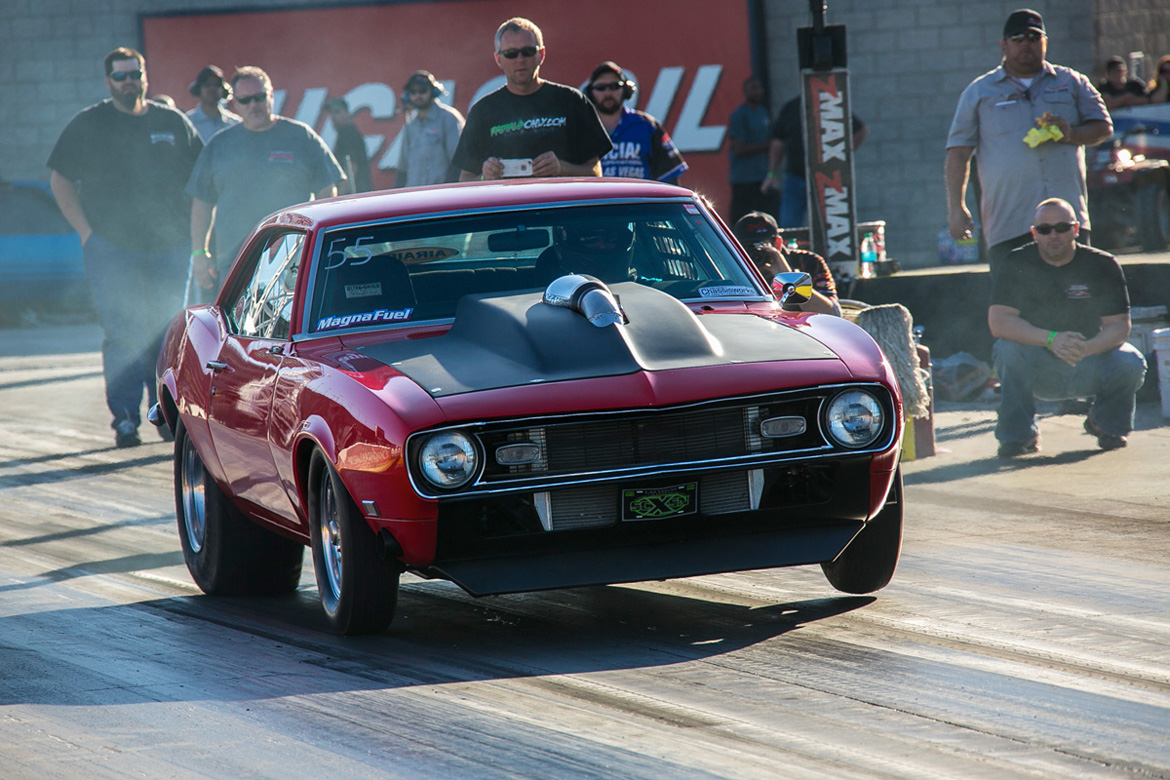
1051	338
200	252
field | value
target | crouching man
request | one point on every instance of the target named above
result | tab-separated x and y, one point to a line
1060	315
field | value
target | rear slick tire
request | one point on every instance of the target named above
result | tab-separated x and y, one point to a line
225	552
868	563
358	583
1153	217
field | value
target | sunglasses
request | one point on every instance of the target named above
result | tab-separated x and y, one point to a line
527	51
1031	37
614	87
1059	227
121	75
244	100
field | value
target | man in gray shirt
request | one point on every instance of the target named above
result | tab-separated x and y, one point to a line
430	135
248	171
209	117
995	113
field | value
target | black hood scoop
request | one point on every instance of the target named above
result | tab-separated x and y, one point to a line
513	340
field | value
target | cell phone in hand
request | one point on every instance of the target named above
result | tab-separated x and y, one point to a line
517	168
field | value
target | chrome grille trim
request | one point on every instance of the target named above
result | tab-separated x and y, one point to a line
752	455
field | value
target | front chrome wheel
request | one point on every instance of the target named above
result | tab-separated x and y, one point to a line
357	582
331	545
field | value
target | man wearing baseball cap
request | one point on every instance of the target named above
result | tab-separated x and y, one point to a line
209	117
995	115
758	234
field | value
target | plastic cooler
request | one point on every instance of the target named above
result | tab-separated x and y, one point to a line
1160	341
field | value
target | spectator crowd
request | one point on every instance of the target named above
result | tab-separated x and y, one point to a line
163	200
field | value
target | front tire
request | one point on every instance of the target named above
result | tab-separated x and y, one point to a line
868	563
225	552
358	583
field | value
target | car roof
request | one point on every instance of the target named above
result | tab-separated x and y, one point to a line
467	197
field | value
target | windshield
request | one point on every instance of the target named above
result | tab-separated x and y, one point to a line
378	275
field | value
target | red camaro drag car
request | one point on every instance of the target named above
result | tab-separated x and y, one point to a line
520	386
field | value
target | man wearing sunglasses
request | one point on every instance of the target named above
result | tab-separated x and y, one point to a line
429	135
1060	315
249	170
529	126
995	113
642	149
118	172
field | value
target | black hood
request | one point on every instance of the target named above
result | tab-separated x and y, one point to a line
513	340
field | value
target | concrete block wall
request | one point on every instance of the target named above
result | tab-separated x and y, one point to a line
51	60
1125	26
909	60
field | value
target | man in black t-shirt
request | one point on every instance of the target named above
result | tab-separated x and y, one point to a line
1118	90
118	172
529	126
787	146
1060	315
349	148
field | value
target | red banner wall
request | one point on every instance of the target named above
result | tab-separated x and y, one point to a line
689	61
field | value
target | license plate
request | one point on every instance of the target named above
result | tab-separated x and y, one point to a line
656	503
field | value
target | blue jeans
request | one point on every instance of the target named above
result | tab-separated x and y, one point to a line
1027	372
793	202
135	295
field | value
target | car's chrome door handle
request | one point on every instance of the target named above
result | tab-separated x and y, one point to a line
216	366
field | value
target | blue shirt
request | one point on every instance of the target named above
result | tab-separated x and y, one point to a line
751	126
642	149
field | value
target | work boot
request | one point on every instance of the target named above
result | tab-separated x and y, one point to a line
126	434
1104	440
1014	449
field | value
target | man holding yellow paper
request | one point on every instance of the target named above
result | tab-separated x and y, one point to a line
1026	123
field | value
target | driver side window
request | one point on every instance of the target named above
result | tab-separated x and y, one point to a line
262	308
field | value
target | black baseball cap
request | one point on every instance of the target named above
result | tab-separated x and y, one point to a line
1022	21
754	227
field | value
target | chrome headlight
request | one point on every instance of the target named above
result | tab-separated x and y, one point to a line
448	459
855	419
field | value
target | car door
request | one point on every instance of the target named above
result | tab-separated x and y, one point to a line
246	370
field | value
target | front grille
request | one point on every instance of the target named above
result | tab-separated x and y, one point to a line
646	439
583	449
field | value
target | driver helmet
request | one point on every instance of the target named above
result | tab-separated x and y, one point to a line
596	248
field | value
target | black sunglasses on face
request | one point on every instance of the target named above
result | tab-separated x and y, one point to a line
526	51
121	75
244	100
1059	227
614	87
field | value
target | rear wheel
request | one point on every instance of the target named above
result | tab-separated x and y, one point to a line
1153	217
225	552
357	581
868	563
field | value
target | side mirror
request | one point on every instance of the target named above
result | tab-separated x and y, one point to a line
792	287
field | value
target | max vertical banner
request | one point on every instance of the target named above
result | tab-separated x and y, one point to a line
828	141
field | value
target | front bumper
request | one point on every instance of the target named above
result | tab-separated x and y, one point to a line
782	516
